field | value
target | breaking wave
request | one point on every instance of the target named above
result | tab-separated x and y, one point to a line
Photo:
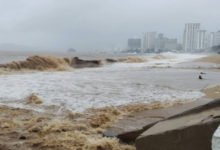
135	60
160	56
45	63
38	63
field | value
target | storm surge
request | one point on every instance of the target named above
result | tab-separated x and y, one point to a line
49	63
38	63
52	63
61	106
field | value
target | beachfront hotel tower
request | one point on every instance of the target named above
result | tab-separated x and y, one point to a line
149	41
189	37
215	39
201	40
194	39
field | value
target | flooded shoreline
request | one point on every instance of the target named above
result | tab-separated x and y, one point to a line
76	106
30	129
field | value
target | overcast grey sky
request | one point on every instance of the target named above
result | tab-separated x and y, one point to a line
86	24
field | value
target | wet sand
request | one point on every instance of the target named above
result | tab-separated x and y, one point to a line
211	59
213	92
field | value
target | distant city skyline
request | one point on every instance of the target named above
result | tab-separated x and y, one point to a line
194	38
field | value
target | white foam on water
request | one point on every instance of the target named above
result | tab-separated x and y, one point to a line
169	60
83	89
110	85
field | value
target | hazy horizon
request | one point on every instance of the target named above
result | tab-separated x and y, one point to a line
95	24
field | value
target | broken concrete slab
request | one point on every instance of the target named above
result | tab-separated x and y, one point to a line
130	127
189	130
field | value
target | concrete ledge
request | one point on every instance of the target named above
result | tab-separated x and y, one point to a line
190	130
130	127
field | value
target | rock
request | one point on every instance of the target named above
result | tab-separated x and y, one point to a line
130	127
190	130
79	63
200	77
23	137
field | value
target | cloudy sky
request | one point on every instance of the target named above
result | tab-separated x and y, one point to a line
96	24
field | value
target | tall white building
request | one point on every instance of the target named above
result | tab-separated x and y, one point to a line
201	40
149	41
216	38
211	39
190	36
160	43
153	42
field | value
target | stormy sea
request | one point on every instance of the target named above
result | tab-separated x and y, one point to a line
63	95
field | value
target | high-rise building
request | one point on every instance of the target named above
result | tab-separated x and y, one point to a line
200	40
171	44
134	44
149	41
166	44
213	39
160	42
153	42
216	38
190	36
